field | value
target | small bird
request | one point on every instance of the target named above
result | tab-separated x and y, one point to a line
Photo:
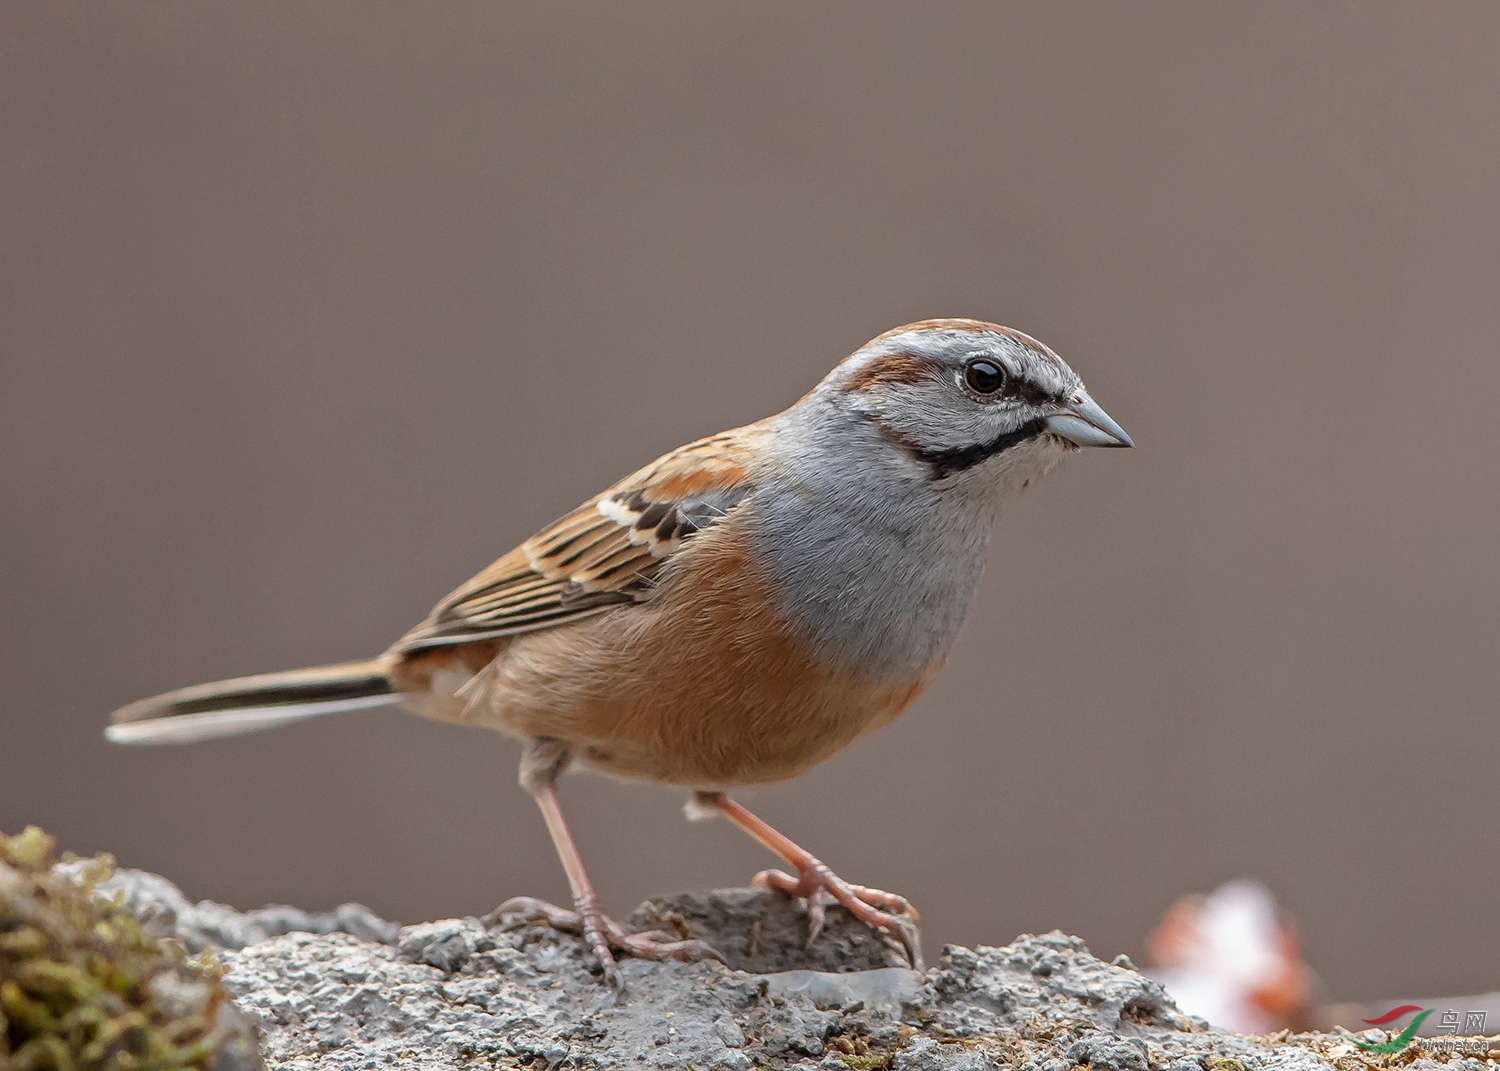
730	615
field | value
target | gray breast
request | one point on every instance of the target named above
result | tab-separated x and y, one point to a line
871	563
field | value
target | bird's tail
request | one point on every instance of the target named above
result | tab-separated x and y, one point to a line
246	704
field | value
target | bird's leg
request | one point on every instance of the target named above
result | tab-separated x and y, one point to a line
816	884
541	764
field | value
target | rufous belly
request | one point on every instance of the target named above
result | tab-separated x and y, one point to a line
700	686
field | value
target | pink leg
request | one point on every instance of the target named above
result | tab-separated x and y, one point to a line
540	767
817	884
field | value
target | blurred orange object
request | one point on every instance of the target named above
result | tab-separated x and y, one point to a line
1232	958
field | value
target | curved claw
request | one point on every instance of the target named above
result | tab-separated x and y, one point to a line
817	914
604	933
778	881
885	901
689	951
910	939
819	886
534	910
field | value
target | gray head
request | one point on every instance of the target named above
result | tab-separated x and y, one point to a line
889	476
961	395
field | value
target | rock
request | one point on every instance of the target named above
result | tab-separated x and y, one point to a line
159	903
457	993
763	932
348	990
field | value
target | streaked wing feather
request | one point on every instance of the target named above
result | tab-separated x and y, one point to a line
607	551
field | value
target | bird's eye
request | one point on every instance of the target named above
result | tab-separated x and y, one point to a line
984	377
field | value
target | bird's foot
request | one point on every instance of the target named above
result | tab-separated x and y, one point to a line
818	886
604	934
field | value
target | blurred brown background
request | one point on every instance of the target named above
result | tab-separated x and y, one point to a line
308	311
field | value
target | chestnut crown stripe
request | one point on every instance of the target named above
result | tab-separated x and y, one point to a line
904	369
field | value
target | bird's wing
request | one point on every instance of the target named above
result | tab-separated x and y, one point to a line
607	551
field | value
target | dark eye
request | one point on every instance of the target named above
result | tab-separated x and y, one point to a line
984	377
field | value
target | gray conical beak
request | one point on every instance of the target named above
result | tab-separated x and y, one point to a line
1085	424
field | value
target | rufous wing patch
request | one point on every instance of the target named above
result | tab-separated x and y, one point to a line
607	551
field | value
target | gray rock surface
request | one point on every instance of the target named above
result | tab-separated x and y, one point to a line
160	904
462	993
351	991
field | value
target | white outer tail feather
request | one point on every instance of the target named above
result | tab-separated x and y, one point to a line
212	724
248	704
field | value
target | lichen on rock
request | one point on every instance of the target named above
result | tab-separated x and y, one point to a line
85	986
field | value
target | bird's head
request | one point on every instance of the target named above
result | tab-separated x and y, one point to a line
958	395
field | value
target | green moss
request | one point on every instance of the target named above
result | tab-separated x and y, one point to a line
82	986
1225	1063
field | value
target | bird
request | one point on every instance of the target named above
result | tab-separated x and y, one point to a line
728	616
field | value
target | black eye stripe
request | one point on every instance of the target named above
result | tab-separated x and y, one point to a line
1029	392
946	462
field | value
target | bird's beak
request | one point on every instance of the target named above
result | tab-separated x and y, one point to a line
1085	424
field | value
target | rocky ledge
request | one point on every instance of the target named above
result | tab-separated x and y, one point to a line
469	993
